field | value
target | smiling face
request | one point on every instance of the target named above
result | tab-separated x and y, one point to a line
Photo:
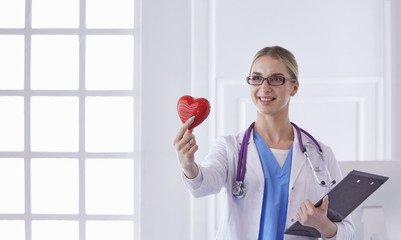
272	100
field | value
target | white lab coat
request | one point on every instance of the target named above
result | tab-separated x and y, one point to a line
242	216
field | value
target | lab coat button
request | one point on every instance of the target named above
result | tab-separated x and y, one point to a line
292	188
292	220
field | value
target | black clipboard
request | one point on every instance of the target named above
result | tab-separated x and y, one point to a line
347	195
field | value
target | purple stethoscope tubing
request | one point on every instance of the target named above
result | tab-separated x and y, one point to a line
242	156
301	145
239	190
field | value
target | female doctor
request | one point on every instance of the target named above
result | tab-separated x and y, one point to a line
280	186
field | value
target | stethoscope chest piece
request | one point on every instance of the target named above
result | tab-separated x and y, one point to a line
239	190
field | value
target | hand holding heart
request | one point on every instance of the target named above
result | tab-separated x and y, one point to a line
192	112
185	146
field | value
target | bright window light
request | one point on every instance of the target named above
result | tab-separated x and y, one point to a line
109	124
54	124
55	13
102	195
12	13
109	62
55	185
12	186
50	230
12	123
67	119
55	62
109	13
11	61
106	230
12	230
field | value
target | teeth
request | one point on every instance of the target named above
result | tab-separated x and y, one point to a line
266	99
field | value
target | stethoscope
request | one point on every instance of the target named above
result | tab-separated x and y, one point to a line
239	190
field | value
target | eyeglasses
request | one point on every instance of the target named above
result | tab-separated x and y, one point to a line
273	80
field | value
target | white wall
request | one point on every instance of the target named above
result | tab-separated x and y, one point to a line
204	48
166	72
341	50
396	74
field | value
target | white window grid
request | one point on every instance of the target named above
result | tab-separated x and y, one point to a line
82	155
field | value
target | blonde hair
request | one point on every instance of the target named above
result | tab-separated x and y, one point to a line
279	53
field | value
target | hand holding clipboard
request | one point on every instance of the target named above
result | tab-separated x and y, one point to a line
344	198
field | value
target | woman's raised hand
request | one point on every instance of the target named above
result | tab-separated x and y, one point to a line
185	146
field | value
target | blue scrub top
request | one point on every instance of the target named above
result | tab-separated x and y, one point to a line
275	197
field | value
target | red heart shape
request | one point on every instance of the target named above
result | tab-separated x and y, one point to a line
187	107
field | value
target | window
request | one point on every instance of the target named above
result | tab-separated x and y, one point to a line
68	122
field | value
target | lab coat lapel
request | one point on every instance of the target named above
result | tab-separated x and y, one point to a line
253	160
298	159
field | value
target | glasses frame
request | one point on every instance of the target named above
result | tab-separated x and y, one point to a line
267	79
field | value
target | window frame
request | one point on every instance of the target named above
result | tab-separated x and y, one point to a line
81	93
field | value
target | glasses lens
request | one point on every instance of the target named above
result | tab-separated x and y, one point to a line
254	80
276	80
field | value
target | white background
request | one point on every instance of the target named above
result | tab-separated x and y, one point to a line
349	58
